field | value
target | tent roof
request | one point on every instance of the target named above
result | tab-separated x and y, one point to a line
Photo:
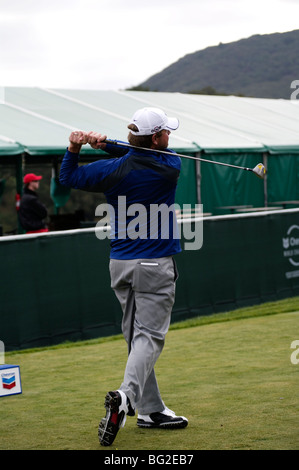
39	121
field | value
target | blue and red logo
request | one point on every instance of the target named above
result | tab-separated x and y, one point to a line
8	381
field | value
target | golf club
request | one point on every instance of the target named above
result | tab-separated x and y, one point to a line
259	170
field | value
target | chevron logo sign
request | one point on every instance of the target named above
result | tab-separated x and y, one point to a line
8	381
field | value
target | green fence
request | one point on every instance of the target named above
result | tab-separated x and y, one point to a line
55	287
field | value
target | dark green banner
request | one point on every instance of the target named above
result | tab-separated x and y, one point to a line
284	182
224	186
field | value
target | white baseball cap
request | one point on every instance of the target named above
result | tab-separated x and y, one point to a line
152	120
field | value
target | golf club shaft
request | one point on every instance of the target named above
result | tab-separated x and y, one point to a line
123	144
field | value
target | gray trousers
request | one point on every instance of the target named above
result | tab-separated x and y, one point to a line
145	289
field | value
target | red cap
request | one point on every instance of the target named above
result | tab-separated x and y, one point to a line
31	177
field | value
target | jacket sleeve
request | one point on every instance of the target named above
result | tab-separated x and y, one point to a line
86	177
116	150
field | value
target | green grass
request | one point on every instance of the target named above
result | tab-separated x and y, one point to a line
230	374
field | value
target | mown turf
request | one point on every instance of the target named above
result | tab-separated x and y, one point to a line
230	374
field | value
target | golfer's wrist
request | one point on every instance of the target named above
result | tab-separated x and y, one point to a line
74	148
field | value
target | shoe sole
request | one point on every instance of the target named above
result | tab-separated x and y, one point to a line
167	425
107	430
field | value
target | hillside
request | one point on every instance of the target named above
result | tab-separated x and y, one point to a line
262	66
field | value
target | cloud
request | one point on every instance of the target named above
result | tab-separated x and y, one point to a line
117	44
21	45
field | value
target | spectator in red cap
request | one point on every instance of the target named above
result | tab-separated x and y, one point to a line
32	212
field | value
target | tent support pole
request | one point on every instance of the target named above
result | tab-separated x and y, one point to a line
198	177
19	183
265	163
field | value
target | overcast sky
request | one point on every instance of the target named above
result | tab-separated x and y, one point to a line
116	44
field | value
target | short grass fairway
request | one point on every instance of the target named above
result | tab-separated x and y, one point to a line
230	374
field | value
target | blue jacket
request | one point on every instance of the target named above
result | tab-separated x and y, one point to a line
139	177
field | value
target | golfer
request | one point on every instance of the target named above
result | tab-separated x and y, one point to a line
142	269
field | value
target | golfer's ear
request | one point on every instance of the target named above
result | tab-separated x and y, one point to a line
154	139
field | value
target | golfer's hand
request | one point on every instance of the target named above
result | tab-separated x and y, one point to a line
96	140
77	139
